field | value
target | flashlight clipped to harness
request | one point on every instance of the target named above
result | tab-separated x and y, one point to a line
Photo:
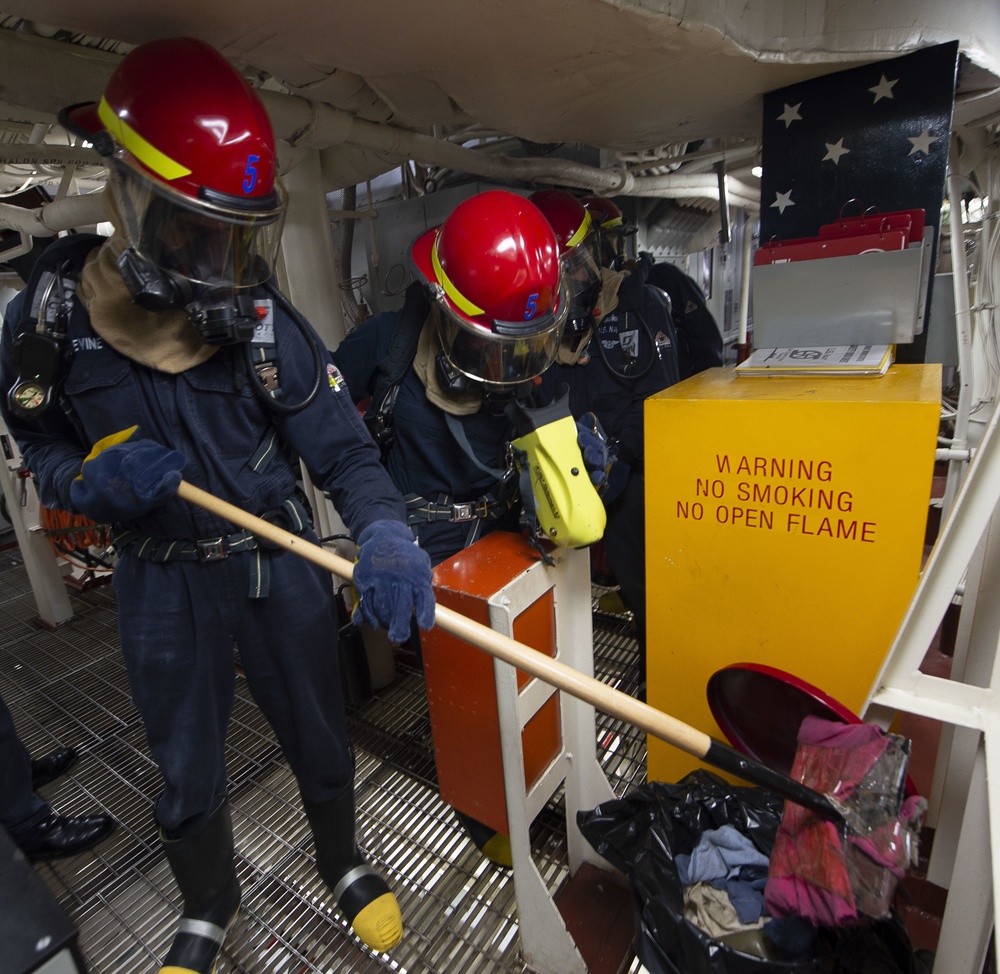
567	508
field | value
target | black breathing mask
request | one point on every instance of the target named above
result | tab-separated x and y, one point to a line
495	398
496	401
221	316
450	378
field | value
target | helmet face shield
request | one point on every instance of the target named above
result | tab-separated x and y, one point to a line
583	274
208	244
498	287
508	354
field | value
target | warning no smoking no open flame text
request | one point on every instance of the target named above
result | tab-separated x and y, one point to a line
784	494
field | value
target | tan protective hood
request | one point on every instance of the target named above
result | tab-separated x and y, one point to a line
611	281
163	340
428	347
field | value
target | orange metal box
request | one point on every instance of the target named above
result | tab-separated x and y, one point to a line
461	690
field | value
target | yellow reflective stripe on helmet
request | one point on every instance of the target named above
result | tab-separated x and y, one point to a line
460	301
615	221
581	232
133	142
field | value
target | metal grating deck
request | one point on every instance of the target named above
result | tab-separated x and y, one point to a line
68	686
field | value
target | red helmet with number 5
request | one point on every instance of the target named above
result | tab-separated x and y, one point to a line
194	150
494	274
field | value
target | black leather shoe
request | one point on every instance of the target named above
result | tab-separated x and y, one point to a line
52	765
66	835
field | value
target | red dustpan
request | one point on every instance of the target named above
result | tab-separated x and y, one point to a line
740	693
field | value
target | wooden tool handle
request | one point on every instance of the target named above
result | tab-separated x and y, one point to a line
497	644
552	671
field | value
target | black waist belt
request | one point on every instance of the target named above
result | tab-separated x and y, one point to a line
487	507
182	549
291	515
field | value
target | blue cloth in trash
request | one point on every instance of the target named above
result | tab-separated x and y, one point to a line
727	859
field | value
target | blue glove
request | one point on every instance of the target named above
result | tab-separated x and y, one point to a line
124	477
392	579
594	447
618	474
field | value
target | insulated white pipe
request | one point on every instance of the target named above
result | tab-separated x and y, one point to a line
305	123
46	221
699	184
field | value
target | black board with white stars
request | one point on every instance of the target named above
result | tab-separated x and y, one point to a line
870	139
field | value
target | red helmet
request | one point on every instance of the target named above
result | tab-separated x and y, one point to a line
196	151
580	243
605	211
614	230
494	273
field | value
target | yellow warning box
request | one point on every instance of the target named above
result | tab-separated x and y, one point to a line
785	525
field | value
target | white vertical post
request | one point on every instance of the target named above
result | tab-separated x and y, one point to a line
547	944
47	585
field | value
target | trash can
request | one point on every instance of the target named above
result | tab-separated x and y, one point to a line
651	833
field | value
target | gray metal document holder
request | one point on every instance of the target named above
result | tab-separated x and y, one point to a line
871	298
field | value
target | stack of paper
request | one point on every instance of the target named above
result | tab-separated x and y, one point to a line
839	360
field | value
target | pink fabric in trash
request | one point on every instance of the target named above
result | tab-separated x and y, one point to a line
808	875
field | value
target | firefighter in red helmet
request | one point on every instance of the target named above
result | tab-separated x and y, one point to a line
493	272
172	324
699	341
479	325
628	353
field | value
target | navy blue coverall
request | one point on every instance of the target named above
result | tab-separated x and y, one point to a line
425	460
699	341
632	355
180	619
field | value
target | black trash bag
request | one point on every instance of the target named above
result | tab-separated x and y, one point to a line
641	835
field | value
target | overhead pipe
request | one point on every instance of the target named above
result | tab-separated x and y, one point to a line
46	221
301	122
676	186
702	159
304	124
307	123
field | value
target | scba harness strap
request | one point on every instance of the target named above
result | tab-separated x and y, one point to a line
291	515
445	508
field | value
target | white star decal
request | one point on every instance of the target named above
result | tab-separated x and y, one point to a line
782	201
835	150
883	89
922	142
790	114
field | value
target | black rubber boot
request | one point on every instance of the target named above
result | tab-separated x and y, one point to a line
364	899
204	868
492	844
